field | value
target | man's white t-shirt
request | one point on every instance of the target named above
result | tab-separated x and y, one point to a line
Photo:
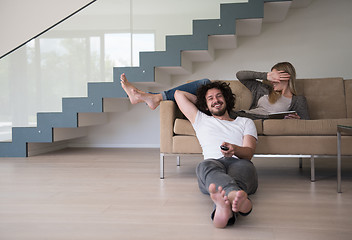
212	132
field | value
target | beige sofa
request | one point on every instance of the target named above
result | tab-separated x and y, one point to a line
329	103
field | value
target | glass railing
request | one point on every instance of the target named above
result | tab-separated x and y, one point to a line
85	48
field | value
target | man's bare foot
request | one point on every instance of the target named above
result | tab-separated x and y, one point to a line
240	201
223	210
136	96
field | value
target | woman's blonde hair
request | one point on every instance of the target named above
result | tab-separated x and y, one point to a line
287	68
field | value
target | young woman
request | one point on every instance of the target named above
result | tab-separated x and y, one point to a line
272	92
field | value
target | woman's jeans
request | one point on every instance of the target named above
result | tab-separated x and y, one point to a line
190	87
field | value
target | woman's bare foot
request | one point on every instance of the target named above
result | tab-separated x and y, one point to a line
240	201
152	100
136	96
131	90
223	210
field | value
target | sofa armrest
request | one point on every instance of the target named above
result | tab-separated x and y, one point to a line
168	113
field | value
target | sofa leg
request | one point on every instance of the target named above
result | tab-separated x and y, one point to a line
162	166
300	162
178	161
312	169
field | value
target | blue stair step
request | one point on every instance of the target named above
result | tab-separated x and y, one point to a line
33	134
82	104
57	120
134	74
16	148
176	44
106	89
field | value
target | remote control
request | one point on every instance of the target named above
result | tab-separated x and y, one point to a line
224	148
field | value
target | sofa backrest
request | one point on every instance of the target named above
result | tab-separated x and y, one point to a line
325	97
243	95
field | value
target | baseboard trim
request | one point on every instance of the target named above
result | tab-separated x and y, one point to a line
93	145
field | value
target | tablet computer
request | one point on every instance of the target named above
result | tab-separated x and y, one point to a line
280	115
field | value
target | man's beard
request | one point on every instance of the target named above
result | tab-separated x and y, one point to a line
218	113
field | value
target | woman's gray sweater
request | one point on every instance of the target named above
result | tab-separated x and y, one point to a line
259	89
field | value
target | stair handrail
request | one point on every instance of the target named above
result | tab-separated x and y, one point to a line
48	29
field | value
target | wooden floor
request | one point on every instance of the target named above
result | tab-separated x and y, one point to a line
98	194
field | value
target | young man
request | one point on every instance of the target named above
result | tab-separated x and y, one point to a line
227	174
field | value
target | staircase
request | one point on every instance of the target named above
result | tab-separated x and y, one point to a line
236	19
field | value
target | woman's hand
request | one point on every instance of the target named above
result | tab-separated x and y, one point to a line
292	116
277	76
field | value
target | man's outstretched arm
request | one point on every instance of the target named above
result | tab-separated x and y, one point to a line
186	103
246	151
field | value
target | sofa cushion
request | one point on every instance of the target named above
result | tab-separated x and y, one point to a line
259	125
295	127
325	97
185	144
184	127
302	145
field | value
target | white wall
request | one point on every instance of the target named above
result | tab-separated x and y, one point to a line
316	39
22	20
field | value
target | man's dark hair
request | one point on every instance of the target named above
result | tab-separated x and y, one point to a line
226	91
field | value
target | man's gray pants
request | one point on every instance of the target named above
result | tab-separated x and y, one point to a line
230	173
